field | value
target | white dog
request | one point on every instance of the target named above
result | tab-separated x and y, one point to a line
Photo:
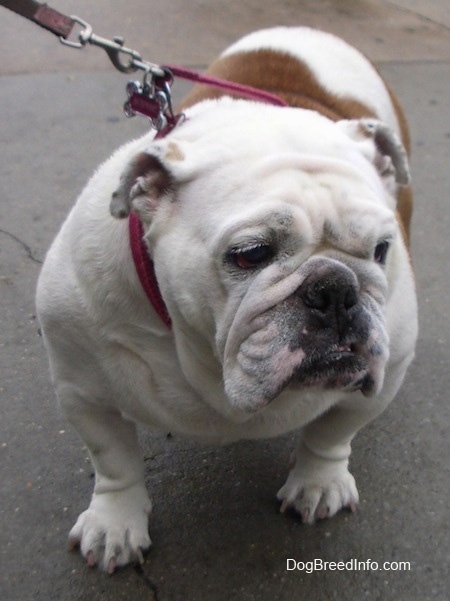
279	241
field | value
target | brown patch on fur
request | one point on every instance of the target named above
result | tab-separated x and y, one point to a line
293	81
173	153
405	196
404	212
280	74
404	129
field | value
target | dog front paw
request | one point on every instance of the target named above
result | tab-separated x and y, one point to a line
113	531
318	488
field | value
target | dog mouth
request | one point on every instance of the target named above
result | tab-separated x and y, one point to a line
341	367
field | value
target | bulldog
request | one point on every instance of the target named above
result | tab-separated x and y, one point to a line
279	240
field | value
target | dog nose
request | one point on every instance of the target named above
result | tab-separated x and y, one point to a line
332	293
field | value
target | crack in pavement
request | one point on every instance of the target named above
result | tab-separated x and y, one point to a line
419	15
28	249
147	582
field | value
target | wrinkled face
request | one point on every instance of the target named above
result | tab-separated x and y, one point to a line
310	284
292	279
326	332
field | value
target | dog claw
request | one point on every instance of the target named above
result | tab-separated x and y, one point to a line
90	559
323	513
305	515
112	565
353	507
73	543
284	505
140	555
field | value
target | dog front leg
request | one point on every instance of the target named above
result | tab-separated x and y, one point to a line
319	483
113	531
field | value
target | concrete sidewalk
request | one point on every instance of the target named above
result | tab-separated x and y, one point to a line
216	529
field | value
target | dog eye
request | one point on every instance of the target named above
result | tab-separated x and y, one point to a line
249	258
381	251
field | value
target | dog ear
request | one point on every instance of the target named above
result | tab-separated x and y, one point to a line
143	184
390	157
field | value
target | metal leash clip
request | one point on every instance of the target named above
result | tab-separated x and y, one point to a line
152	98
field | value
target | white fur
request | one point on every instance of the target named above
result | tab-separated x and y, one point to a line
238	167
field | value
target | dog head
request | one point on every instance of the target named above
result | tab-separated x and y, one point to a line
276	245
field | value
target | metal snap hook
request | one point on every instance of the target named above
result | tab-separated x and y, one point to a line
114	53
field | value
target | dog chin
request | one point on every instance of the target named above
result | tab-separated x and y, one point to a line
336	370
339	369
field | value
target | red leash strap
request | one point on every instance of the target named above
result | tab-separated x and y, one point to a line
226	85
45	16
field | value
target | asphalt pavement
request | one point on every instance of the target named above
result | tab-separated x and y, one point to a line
216	529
